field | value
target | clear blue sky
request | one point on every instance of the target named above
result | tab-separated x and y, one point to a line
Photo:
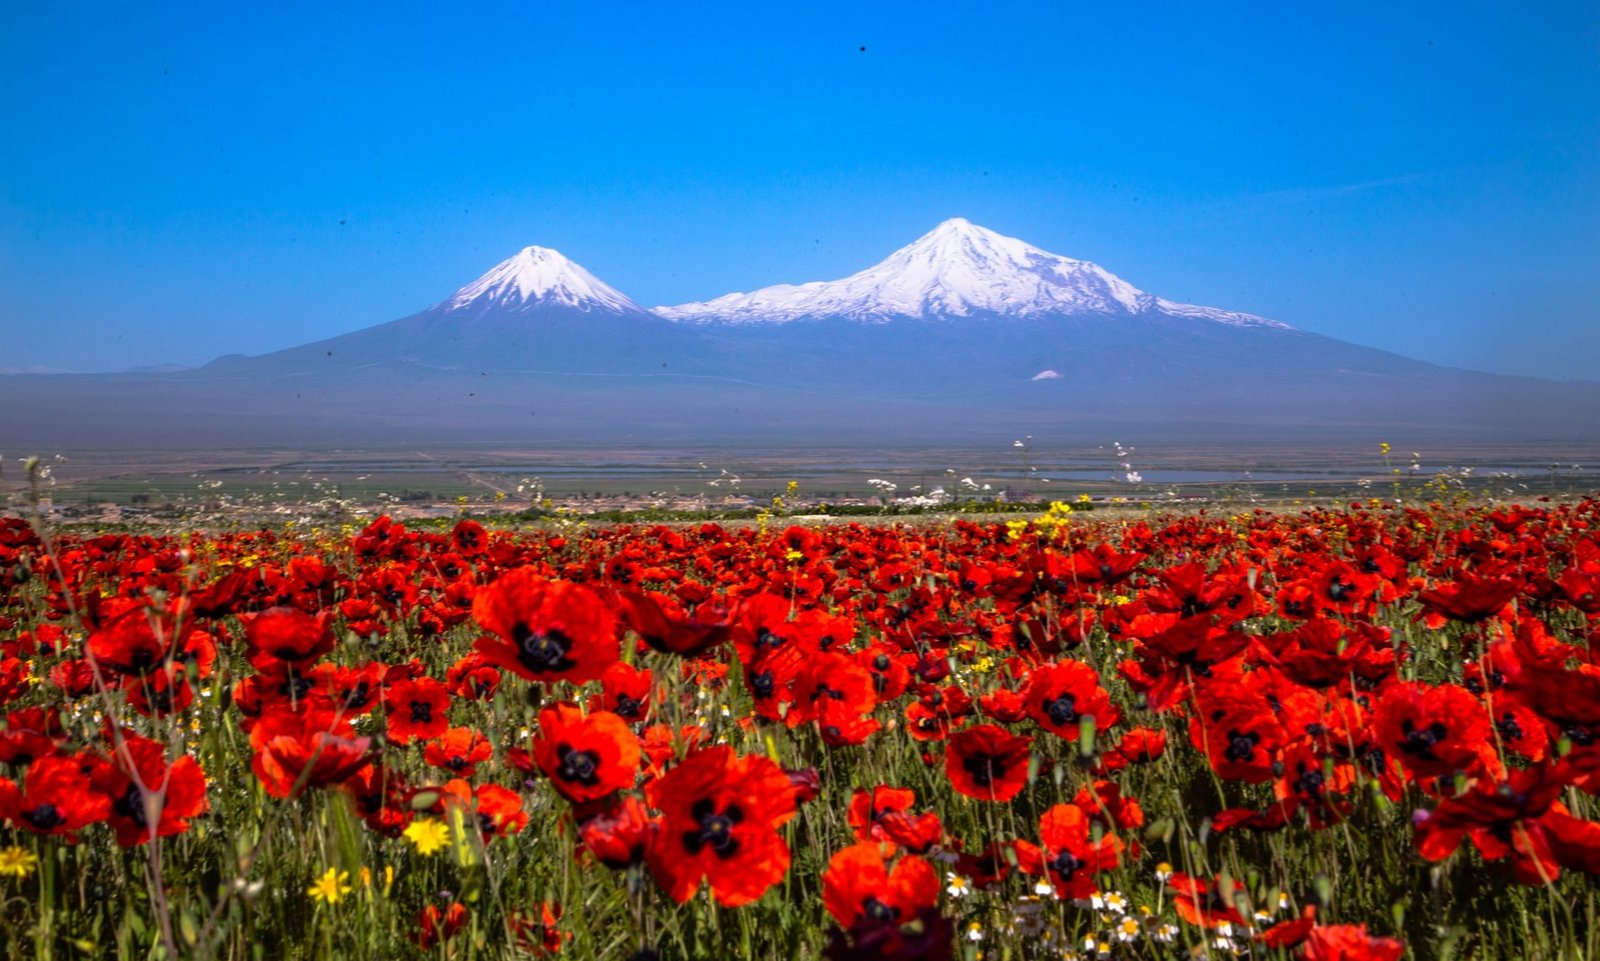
179	181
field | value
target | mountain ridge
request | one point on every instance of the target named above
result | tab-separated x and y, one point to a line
957	270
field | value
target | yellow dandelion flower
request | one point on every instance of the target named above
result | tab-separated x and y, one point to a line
17	862
331	887
427	835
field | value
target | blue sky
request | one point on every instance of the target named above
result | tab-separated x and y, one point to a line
179	181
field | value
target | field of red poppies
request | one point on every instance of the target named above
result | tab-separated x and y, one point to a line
1367	732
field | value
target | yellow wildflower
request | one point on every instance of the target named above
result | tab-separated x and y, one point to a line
427	835
17	862
331	887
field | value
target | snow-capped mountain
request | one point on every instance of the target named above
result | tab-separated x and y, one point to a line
958	269
536	277
960	337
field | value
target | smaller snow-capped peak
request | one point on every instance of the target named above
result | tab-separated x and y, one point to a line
958	269
539	276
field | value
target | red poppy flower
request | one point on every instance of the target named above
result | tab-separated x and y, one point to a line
382	798
665	627
989	867
626	691
348	690
859	883
538	935
149	797
468	538
834	684
927	937
139	639
1004	705
889	676
473	678
494	810
917	833
547	630
1469	598
1067	854
29	734
1349	942
1104	801
1061	697
1238	732
159	693
55	798
987	762
458	750
1435	731
1521	818
867	808
662	744
304	749
720	819
1289	934
416	709
1138	746
619	836
287	634
1205	903
585	757
434	925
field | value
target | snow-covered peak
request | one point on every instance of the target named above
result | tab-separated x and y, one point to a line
539	276
958	269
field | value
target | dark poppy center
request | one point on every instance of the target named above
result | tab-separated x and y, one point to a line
357	696
578	767
543	652
878	911
1062	710
295	687
824	691
627	706
715	828
44	817
1064	864
1241	746
1338	590
762	685
1310	783
1419	742
984	769
131	805
421	712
